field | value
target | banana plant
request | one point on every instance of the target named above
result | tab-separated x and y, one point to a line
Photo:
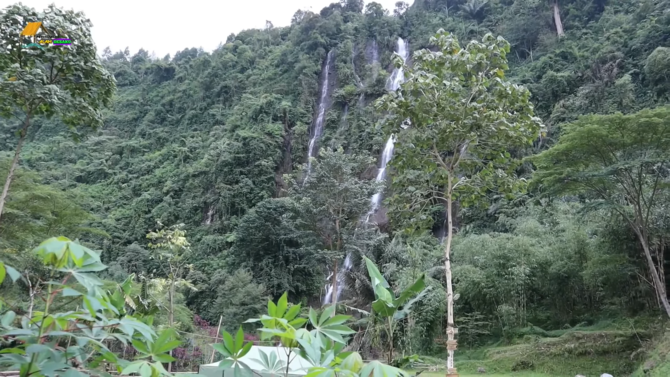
389	308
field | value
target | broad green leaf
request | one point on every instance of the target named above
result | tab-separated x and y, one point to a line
337	320
292	312
375	275
313	317
226	363
353	362
220	348
73	373
378	369
298	322
334	335
160	342
146	370
140	346
272	309
415	289
3	272
239	339
383	308
19	332
70	292
37	348
340	329
327	313
77	254
228	342
13	273
165	347
383	294
133	367
17	351
244	350
8	318
282	304
163	358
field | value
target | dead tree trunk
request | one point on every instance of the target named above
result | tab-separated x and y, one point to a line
659	285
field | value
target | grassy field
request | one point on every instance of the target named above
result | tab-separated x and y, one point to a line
519	374
621	348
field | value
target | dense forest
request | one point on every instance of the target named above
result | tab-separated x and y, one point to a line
539	159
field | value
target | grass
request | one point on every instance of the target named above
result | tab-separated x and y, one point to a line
615	347
521	374
657	363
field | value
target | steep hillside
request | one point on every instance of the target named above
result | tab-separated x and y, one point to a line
206	139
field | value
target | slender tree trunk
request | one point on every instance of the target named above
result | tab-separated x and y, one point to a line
557	19
171	314
659	287
15	162
451	331
333	296
390	334
32	296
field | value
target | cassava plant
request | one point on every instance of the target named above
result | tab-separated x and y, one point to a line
318	339
54	340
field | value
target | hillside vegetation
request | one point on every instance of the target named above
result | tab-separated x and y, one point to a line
555	240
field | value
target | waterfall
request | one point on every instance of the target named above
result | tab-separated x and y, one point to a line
375	203
323	106
393	84
375	52
376	199
398	76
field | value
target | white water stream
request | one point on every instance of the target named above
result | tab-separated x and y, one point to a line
396	78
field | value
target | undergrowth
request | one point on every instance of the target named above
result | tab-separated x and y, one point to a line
618	347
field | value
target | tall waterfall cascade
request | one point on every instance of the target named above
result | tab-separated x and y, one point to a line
398	75
321	115
387	154
396	78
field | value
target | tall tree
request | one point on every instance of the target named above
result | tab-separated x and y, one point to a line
619	162
172	249
332	201
456	118
64	81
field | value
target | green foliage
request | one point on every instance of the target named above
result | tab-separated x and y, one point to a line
388	308
332	200
238	297
657	67
205	139
276	257
233	350
35	211
619	163
69	82
322	346
50	342
463	118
